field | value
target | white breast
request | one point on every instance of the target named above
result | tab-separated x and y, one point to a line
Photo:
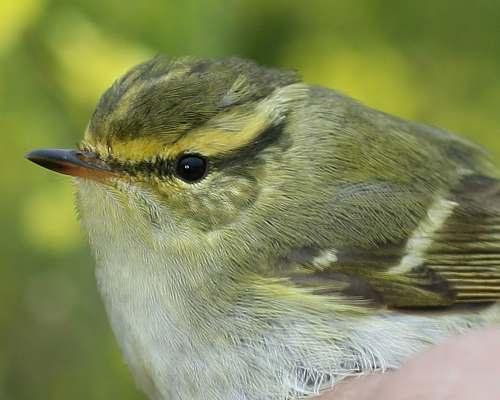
150	303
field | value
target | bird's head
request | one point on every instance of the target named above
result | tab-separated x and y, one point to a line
188	145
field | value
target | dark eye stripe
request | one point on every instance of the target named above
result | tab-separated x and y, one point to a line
167	168
160	167
271	136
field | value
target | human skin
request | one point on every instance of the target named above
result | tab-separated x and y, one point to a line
463	368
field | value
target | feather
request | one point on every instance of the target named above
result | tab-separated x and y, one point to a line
453	256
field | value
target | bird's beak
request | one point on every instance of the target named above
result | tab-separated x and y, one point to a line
72	162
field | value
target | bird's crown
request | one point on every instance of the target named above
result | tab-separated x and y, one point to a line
183	105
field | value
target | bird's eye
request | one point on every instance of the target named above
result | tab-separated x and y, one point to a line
191	168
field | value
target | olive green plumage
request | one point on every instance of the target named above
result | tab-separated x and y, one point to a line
195	91
260	238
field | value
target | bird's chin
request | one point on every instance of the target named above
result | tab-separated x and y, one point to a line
112	194
122	203
106	202
116	187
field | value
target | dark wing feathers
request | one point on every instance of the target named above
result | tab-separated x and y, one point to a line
466	251
460	264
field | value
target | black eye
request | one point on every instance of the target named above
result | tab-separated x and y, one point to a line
191	168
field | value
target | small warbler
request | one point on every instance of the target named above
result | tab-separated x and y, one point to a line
257	237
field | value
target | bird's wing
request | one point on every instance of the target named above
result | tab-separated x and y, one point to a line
453	256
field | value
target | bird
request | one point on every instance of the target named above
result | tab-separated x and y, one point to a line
258	237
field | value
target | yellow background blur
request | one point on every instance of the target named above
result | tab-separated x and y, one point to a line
432	61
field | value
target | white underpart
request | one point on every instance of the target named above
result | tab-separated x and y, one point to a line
423	236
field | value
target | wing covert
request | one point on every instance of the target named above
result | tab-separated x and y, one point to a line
452	257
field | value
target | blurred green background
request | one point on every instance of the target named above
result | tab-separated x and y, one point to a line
432	61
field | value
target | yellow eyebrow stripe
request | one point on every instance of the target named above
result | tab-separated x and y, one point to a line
216	142
210	141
